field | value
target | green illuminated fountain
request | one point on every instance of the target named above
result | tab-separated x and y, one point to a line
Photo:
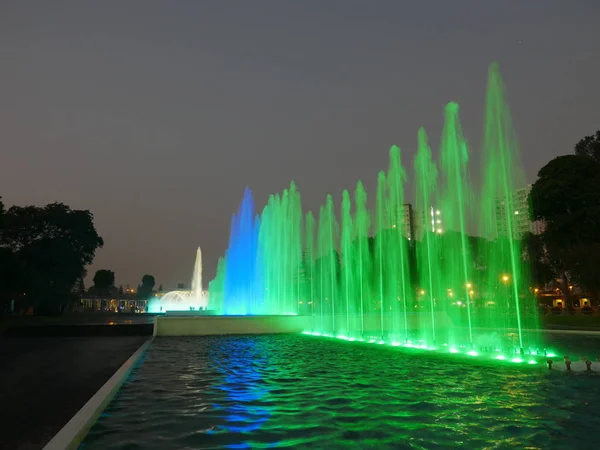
446	275
456	204
428	249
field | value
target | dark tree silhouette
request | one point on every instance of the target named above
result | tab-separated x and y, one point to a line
535	254
104	279
145	289
589	147
50	247
566	197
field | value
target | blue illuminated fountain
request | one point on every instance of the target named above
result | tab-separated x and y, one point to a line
242	287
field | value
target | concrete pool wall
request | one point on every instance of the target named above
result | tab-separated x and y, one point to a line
73	433
187	324
205	325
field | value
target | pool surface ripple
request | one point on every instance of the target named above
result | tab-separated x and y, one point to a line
302	392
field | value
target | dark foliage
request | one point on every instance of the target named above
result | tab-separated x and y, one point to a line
145	289
43	254
566	197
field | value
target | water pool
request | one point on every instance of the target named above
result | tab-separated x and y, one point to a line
305	392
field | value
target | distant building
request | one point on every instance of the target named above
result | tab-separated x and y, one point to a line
428	220
512	214
114	305
406	216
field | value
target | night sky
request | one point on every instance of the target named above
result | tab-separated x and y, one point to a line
156	115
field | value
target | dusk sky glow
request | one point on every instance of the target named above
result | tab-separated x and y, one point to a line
155	115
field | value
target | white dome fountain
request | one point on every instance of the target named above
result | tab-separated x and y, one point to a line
194	300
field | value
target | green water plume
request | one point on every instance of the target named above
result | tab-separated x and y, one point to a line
362	258
380	239
428	250
348	277
400	292
506	273
309	262
216	287
328	265
280	252
417	277
457	200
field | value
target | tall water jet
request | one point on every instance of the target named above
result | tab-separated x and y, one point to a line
347	265
181	300
216	288
501	163
268	250
401	295
362	224
294	241
380	244
280	252
320	268
242	293
197	277
309	261
457	201
329	265
428	255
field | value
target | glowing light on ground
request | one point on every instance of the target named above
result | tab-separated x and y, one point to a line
445	350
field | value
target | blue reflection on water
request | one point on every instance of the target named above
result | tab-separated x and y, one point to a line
245	394
245	416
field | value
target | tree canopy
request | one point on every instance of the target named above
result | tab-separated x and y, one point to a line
47	249
589	147
566	197
145	289
542	271
104	279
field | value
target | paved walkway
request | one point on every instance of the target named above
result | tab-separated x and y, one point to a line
44	381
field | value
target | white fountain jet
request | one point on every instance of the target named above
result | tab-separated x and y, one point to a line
193	300
197	293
